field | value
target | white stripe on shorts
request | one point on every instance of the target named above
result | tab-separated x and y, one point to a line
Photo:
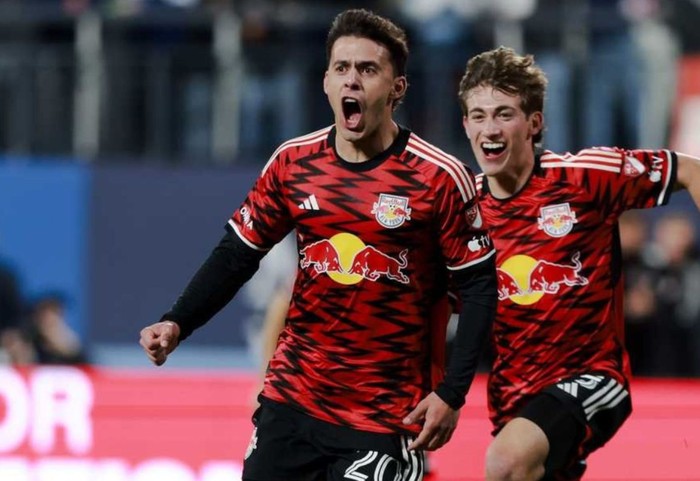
414	461
608	397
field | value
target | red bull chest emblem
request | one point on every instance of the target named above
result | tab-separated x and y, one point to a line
524	280
391	211
556	220
347	260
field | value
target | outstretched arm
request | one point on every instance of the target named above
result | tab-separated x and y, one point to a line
229	266
689	176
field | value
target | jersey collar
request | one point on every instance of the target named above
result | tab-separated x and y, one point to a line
536	171
395	149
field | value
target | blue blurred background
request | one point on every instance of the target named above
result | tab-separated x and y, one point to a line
130	130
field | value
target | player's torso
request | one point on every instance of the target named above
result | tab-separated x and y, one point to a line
369	273
556	266
364	235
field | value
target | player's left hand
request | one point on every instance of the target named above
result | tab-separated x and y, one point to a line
439	422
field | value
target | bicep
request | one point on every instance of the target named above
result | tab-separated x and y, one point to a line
688	176
688	172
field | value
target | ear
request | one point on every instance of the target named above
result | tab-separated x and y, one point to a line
399	88
536	123
325	83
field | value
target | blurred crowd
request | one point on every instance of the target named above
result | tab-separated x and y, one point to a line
612	66
225	81
34	331
662	306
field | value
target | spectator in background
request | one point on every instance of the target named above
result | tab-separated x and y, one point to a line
443	38
273	324
15	348
273	105
611	96
75	7
588	52
551	34
658	48
10	298
674	258
268	292
639	298
685	16
53	340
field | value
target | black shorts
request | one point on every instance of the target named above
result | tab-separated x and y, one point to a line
288	445
579	414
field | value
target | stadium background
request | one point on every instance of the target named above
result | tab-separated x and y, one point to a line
131	129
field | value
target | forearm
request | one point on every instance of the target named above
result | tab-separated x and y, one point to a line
478	291
688	176
230	265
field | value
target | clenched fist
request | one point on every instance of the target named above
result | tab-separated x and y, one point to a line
159	340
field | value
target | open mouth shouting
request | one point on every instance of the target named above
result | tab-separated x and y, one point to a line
352	113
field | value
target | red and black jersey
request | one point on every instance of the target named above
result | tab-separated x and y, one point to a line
559	268
376	241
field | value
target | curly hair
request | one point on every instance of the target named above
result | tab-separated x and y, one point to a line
510	73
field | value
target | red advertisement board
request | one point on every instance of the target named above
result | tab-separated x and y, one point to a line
69	424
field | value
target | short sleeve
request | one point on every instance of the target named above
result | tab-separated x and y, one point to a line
462	231
263	218
618	179
631	179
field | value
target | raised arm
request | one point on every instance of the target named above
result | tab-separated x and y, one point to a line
688	176
229	266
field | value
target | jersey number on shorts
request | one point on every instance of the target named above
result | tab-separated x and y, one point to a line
353	471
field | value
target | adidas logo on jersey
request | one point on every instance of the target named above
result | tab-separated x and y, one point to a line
309	203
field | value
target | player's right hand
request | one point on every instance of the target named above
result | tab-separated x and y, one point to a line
160	339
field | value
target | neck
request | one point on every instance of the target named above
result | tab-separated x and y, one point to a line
363	149
509	182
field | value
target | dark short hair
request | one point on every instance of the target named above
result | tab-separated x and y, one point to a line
365	24
510	73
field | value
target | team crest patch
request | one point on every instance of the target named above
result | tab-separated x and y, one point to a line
391	210
556	220
474	217
633	167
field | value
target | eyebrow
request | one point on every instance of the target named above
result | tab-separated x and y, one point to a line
360	64
497	110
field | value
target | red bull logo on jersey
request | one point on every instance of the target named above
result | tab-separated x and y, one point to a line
322	255
556	220
347	260
507	285
525	280
391	211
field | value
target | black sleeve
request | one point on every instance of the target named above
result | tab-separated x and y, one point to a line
477	289
230	265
